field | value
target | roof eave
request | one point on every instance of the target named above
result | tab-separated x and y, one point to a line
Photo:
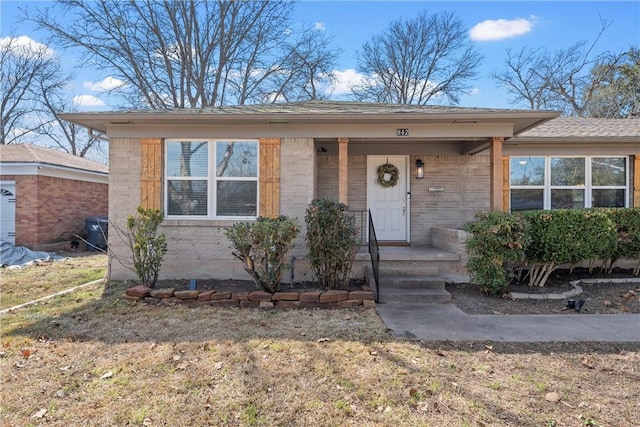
101	121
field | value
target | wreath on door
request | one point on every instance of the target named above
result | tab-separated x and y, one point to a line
388	175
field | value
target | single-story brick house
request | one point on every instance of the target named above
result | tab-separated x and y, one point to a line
207	169
47	195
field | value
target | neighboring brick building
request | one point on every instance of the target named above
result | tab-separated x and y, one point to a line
207	169
47	195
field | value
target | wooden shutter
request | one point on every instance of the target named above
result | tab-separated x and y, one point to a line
506	184
269	197
151	176
636	181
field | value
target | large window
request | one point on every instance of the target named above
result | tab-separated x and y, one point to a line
568	182
216	179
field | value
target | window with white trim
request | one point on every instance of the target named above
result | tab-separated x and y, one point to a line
211	178
565	182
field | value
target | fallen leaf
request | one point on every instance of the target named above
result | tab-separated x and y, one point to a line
106	375
147	422
488	348
217	366
374	353
25	352
177	357
587	363
552	397
40	414
182	366
324	340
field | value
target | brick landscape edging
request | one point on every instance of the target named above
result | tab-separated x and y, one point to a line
253	299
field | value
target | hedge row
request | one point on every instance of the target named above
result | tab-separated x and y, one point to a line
533	244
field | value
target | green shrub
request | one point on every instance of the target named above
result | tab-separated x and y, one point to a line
332	240
627	224
497	243
262	247
566	236
147	247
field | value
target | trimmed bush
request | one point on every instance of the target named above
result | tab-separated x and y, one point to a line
332	240
497	243
262	246
566	236
627	224
147	247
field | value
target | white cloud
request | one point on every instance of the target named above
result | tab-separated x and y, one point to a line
87	101
500	29
106	84
474	91
344	80
25	45
319	26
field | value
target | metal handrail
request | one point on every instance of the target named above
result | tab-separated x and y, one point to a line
375	256
360	220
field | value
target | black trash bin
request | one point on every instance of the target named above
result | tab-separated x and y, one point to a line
97	232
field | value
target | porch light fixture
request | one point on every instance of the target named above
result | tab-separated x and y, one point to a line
419	169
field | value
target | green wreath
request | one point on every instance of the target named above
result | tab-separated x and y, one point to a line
390	169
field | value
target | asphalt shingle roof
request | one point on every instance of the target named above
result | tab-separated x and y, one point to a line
579	127
324	107
25	153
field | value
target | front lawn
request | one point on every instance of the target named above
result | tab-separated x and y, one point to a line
89	358
21	285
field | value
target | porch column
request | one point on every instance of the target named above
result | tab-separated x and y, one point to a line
636	181
343	170
506	184
496	178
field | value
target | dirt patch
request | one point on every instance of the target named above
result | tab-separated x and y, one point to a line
600	297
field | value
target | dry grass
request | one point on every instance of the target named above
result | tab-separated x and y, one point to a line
90	358
20	285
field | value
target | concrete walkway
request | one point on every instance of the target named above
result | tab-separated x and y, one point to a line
439	322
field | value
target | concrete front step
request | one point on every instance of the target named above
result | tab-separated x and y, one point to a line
413	270
408	282
402	295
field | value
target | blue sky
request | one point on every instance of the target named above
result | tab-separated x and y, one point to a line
494	27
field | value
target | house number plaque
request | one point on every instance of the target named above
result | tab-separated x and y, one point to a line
402	132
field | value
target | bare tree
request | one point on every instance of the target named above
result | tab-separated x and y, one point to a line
566	79
308	67
425	59
25	68
192	53
523	79
64	135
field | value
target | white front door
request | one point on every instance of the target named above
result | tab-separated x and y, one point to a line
8	211
389	204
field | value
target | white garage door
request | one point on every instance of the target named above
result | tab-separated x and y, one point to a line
8	211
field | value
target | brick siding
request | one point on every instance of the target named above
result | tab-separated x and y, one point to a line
464	180
200	250
50	210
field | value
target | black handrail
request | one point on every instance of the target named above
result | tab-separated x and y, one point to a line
375	256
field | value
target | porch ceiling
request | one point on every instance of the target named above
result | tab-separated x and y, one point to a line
406	146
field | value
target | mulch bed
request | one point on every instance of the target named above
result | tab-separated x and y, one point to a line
600	298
